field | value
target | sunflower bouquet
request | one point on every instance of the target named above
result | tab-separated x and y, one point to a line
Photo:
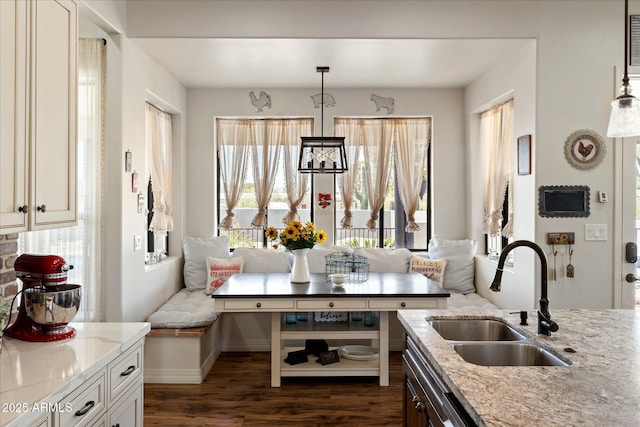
296	236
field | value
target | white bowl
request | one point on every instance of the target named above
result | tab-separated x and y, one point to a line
338	278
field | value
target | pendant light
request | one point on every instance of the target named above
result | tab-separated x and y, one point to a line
625	112
322	154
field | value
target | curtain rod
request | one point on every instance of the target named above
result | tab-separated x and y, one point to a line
104	41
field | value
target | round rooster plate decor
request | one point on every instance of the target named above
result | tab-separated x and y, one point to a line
584	149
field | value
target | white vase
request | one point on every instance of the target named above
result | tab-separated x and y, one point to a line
300	268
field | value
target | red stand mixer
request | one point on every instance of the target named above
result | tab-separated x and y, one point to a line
48	303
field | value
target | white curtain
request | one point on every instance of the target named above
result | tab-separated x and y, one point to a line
496	134
81	245
233	155
158	135
377	139
266	139
410	149
296	183
347	181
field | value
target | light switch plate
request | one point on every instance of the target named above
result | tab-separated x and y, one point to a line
137	242
595	232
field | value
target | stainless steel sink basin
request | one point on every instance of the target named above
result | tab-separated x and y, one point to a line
507	354
475	330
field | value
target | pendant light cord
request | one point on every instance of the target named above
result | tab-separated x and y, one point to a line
625	77
322	104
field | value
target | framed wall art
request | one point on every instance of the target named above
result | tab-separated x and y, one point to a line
524	155
584	149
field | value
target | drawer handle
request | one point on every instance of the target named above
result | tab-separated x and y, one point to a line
259	304
87	407
331	304
24	209
42	208
403	304
128	372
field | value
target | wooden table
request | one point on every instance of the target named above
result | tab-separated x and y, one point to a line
274	293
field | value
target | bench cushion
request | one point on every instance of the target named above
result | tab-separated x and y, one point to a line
186	309
470	301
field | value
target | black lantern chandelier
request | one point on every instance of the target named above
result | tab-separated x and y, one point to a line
323	154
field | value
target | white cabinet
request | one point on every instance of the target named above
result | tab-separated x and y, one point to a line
129	410
112	396
38	79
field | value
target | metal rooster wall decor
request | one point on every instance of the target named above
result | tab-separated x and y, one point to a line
264	100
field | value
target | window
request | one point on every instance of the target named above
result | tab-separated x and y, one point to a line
158	147
387	199
384	197
81	245
496	139
258	181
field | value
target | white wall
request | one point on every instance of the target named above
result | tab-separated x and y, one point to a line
445	105
577	46
247	331
132	291
515	77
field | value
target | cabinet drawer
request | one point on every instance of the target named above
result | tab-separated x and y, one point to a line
257	305
332	304
81	407
400	303
124	370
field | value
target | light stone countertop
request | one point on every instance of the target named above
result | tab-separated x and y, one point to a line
601	387
34	375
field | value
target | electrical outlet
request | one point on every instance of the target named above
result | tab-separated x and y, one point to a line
137	242
595	232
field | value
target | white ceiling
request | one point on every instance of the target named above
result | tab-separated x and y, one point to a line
355	63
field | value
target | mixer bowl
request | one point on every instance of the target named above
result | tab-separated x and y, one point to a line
52	307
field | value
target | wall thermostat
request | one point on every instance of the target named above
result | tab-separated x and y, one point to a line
603	197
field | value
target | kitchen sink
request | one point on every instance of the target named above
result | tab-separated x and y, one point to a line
475	330
507	354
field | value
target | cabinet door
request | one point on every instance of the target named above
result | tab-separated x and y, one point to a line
127	412
13	116
53	113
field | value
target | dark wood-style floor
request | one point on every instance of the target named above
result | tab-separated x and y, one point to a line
238	392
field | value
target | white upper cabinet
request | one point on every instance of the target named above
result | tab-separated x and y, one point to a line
38	76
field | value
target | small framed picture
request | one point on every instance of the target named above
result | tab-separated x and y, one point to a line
524	155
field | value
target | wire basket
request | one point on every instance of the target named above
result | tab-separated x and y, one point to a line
354	267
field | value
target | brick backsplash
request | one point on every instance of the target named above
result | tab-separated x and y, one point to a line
8	255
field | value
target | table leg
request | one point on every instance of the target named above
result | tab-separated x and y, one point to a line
276	346
384	348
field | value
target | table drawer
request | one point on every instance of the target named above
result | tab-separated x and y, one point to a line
331	304
82	406
123	371
258	305
402	303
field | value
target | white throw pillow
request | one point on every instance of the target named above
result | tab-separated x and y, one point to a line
316	256
459	275
386	260
259	260
196	250
220	269
432	269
